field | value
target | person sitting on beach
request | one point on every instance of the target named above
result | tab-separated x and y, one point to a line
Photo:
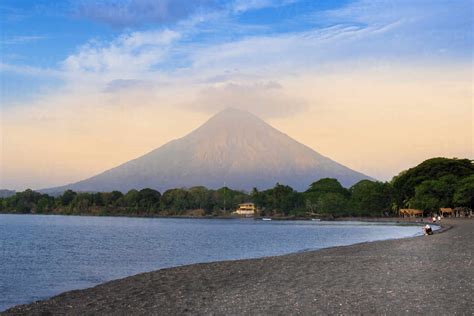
427	230
434	219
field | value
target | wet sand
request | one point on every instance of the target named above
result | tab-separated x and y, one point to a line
429	275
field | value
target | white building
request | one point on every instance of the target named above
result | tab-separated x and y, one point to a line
246	209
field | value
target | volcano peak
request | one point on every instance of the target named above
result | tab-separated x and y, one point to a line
233	146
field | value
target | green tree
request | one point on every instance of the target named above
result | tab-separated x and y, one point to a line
200	198
332	203
259	199
228	199
431	195
175	200
131	200
370	198
97	199
432	169
317	190
327	185
464	193
82	202
24	202
67	197
285	199
149	199
281	199
110	199
45	204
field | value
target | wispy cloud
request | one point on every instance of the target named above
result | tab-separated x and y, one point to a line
122	13
171	55
266	99
423	30
195	53
22	39
130	53
126	13
246	5
11	14
124	84
360	70
26	70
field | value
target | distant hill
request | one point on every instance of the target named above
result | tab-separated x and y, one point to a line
6	193
233	147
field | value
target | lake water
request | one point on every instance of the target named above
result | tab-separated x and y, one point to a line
41	256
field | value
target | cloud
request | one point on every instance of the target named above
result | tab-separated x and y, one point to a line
125	84
359	30
123	13
290	53
265	99
130	53
194	53
246	5
134	90
426	31
22	39
26	70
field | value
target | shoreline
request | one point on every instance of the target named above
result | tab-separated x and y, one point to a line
166	289
393	219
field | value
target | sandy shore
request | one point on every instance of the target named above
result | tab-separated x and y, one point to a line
429	275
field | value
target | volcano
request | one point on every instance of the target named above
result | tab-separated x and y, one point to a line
235	148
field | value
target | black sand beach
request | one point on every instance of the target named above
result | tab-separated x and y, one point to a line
429	275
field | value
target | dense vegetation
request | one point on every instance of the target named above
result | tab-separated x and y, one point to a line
435	183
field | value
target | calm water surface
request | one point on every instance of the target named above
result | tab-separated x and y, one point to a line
41	256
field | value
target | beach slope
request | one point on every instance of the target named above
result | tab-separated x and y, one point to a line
432	274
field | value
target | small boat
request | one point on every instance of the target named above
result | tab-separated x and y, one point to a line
266	219
316	219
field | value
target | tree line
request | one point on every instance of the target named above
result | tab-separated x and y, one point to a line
435	183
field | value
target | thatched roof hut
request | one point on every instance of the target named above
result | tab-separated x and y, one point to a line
446	211
411	212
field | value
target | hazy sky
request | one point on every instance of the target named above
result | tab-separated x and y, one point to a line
376	85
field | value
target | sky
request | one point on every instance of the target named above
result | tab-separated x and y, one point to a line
86	85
